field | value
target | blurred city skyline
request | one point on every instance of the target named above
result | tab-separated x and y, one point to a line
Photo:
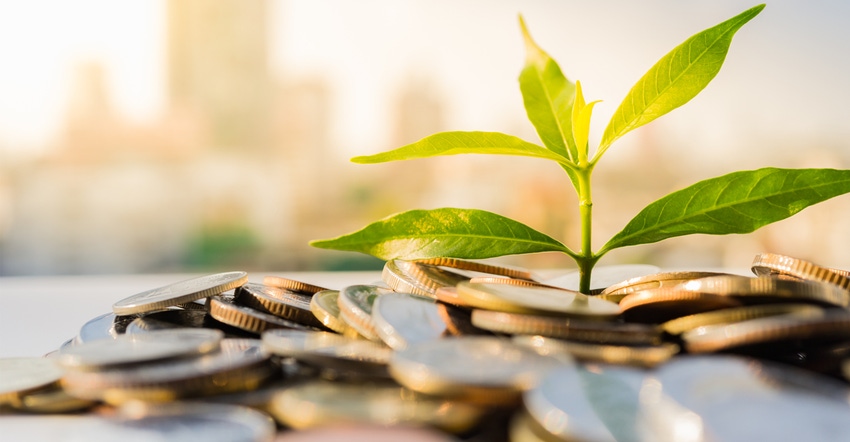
192	134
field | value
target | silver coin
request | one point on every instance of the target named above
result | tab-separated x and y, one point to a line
234	354
179	293
186	421
600	404
355	305
140	348
286	304
402	319
735	398
329	350
473	361
108	325
20	375
167	320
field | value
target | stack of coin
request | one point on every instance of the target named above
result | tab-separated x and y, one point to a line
471	350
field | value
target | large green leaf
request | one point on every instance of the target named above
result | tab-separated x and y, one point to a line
548	96
675	79
447	232
455	143
739	202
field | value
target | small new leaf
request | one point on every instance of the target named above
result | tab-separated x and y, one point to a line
581	124
446	232
739	202
675	79
455	143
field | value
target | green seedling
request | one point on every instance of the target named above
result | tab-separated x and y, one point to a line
739	202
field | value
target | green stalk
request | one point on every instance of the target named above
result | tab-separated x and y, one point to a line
585	259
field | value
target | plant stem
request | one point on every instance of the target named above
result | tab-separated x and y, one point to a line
586	260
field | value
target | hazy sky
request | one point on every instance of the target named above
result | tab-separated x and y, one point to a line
785	77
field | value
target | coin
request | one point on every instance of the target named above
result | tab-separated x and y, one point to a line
402	319
365	433
449	295
516	299
291	284
52	401
325	307
240	364
179	293
458	321
167	320
634	355
355	306
825	325
245	318
482	369
191	421
108	325
19	376
768	289
663	304
566	328
573	403
330	351
480	267
286	304
418	279
618	291
735	398
772	263
140	348
321	403
729	315
508	281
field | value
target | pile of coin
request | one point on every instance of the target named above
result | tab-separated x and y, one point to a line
450	349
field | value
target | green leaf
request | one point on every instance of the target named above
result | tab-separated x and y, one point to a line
675	79
739	202
548	97
581	123
455	143
447	232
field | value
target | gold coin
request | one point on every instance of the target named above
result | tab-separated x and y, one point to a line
325	308
478	369
508	281
52	401
418	279
567	328
179	293
291	284
223	309
458	320
355	308
319	404
663	304
772	263
768	289
730	315
618	291
480	267
449	295
532	300
241	364
19	376
642	355
822	324
286	304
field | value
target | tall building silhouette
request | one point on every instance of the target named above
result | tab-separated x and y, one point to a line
218	68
